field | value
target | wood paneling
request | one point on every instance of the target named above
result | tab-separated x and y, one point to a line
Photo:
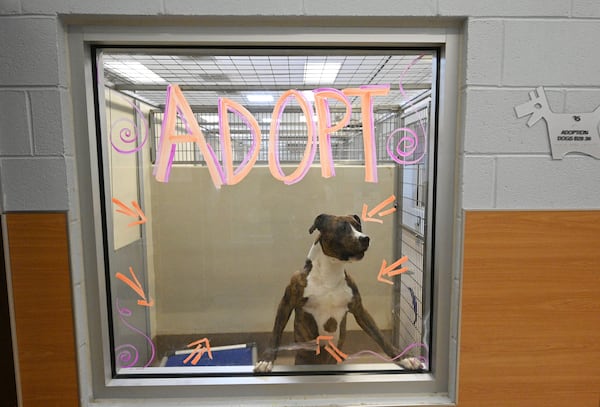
530	320
39	266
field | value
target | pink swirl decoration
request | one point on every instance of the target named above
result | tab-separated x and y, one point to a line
127	355
424	359
125	135
405	147
408	143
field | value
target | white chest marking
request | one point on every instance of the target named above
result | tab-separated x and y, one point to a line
327	292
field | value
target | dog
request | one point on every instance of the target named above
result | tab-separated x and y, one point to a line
322	294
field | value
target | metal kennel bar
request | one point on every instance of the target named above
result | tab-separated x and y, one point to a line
346	144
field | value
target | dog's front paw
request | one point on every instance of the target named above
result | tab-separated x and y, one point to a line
263	366
411	363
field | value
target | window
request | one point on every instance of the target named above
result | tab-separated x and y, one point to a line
215	166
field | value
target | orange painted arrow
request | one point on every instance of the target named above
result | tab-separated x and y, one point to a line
391	270
124	209
199	351
333	350
367	215
136	286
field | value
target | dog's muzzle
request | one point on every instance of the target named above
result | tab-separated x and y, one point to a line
364	241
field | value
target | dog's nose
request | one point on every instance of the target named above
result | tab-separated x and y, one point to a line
364	241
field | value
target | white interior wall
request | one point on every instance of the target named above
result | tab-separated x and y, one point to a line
123	168
131	180
224	257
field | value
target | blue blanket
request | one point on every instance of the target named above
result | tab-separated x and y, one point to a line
220	357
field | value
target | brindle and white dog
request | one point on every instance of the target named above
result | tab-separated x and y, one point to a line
323	293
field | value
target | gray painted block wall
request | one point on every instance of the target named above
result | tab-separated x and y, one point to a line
510	47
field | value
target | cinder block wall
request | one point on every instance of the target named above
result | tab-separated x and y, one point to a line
505	163
36	140
510	47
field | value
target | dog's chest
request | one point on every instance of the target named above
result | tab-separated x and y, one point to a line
327	301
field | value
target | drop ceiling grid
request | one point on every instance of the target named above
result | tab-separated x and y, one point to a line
270	74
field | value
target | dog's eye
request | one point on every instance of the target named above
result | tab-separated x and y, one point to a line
350	225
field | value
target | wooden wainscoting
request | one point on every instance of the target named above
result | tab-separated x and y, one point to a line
38	253
530	321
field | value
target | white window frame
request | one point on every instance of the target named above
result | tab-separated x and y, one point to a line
437	387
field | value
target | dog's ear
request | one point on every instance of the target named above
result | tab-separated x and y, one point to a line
318	223
357	219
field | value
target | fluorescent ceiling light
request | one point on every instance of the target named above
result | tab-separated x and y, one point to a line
134	71
309	95
321	72
259	97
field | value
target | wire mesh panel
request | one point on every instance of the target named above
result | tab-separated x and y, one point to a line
347	144
410	311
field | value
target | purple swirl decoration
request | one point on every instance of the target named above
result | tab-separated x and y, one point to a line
423	359
127	355
126	137
405	147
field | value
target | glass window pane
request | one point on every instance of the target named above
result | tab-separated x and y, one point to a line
268	203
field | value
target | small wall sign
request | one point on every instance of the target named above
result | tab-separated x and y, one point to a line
568	132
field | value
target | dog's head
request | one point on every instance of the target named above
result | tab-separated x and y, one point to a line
341	237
